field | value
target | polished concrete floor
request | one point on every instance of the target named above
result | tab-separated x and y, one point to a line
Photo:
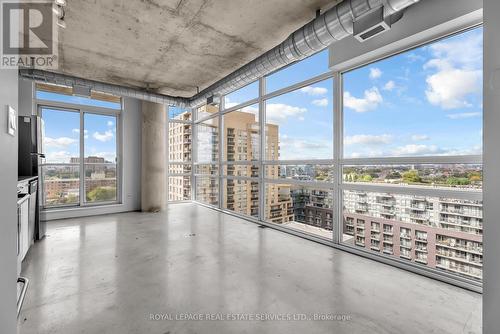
117	273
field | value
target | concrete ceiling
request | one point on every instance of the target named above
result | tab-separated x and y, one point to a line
173	46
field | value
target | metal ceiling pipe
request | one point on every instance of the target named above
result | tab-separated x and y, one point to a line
328	28
69	81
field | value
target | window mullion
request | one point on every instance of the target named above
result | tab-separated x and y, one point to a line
82	158
337	154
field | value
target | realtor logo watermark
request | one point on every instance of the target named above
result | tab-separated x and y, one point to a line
28	34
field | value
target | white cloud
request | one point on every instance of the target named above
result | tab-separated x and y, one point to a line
251	110
389	85
58	157
278	112
314	91
320	102
375	73
415	57
419	137
370	100
416	149
85	132
61	142
110	123
104	137
449	87
464	115
368	139
310	148
457	66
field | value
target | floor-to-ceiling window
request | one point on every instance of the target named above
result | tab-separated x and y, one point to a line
298	158
412	145
180	146
80	140
206	167
384	159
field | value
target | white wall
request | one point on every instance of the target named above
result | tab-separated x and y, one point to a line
8	205
131	169
491	188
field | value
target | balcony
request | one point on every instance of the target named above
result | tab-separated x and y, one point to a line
388	251
470	249
460	269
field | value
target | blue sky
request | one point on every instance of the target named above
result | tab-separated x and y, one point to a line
304	116
62	130
426	101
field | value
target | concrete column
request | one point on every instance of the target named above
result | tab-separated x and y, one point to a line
491	175
154	157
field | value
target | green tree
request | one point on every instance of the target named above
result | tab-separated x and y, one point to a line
475	176
411	176
458	181
367	178
102	194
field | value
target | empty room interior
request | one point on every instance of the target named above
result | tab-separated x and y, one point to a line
230	166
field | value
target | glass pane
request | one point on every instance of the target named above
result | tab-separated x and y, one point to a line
305	69
100	138
242	196
207	190
61	135
179	169
437	232
426	101
206	110
179	113
100	182
179	142
206	169
318	173
301	208
179	188
242	95
464	176
299	124
61	185
241	134
208	141
242	170
77	100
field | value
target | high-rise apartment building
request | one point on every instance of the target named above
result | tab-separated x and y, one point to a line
179	150
437	232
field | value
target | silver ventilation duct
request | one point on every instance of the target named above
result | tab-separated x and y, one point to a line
84	84
362	18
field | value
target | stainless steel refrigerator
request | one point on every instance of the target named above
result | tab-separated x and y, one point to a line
29	158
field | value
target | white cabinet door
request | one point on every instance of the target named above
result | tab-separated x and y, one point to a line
24	234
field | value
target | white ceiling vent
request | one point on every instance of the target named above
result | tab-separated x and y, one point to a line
371	24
